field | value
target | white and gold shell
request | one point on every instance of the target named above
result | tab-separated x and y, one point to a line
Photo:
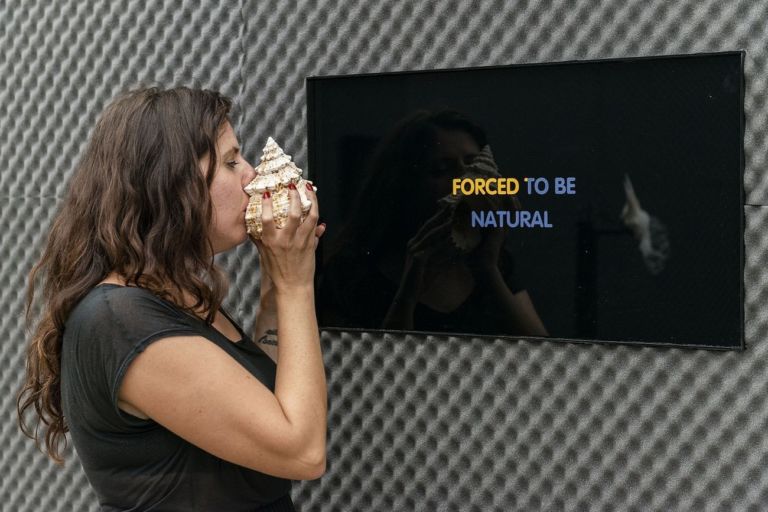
274	173
464	237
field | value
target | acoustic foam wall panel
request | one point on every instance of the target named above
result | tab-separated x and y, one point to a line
415	423
60	63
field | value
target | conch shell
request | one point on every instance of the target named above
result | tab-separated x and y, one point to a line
464	237
274	173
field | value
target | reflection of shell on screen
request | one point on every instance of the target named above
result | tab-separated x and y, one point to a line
274	173
651	234
464	237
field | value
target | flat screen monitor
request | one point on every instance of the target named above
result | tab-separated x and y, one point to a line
597	201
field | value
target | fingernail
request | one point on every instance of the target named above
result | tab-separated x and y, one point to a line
266	194
322	224
292	186
309	186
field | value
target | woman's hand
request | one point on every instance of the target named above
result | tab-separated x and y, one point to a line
267	286
484	259
430	246
287	255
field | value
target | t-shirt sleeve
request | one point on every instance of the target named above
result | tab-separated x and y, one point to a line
107	332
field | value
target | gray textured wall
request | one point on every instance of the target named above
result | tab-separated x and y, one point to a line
435	423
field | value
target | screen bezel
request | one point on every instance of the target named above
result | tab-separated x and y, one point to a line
312	81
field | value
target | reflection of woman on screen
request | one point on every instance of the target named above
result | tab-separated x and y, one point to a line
395	266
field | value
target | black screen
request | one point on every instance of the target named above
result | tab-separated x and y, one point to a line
631	230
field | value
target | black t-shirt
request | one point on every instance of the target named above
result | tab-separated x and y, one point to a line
136	464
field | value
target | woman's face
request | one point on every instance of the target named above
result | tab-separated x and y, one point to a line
228	198
453	150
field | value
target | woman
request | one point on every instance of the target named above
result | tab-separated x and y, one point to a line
170	406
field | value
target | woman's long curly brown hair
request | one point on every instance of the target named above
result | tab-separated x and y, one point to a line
138	204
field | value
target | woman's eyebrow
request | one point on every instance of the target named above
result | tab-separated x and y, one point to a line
231	152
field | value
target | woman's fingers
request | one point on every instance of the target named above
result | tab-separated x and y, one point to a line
436	234
439	217
287	254
438	243
293	224
309	224
319	231
267	216
440	252
293	221
312	196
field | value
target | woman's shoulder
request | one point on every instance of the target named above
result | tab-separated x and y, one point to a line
117	298
108	303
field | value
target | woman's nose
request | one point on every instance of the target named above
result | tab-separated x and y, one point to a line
249	173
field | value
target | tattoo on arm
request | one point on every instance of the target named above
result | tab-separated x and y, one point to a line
269	337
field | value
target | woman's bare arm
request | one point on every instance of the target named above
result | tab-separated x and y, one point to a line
195	389
265	328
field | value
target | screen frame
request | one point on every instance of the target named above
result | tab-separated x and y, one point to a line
312	81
